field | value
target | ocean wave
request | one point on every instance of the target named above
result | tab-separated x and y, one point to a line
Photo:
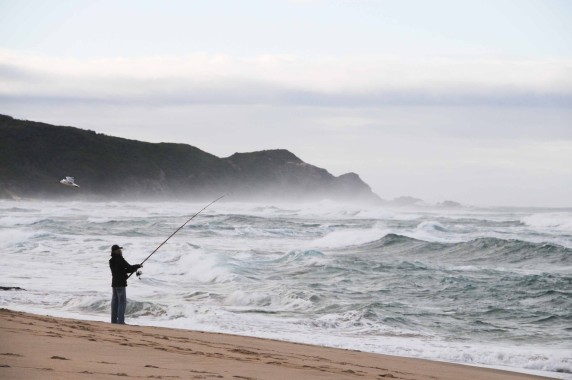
513	251
17	209
203	268
554	362
557	221
140	309
270	301
17	239
373	319
298	256
480	250
346	238
103	305
432	226
395	242
16	221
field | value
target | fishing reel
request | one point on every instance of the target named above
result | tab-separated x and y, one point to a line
139	273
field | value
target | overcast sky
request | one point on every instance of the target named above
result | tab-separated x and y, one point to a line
467	100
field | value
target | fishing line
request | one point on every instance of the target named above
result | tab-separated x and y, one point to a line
139	273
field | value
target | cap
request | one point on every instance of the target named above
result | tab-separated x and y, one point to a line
115	247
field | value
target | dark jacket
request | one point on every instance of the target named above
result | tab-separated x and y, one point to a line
120	269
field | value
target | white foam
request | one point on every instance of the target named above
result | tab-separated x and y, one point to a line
17	220
202	267
243	298
347	238
14	238
555	221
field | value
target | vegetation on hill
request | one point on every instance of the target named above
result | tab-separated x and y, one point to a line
35	156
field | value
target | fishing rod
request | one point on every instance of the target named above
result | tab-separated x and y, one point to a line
139	273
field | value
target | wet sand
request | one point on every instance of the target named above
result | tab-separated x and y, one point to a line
41	347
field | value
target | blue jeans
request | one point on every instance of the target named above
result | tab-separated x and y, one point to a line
118	303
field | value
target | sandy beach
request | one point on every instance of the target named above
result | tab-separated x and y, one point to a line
43	347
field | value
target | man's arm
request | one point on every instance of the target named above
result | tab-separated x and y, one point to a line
130	268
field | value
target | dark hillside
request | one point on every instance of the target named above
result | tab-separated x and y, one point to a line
281	173
35	156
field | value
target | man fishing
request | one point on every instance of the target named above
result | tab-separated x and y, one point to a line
120	270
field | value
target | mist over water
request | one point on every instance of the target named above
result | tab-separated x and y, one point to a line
476	286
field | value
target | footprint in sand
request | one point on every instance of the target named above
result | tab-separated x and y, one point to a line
59	358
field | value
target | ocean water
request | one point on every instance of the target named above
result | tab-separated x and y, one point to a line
480	286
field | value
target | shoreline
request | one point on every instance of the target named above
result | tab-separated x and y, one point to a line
38	346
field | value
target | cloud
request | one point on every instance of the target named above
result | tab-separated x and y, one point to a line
286	80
